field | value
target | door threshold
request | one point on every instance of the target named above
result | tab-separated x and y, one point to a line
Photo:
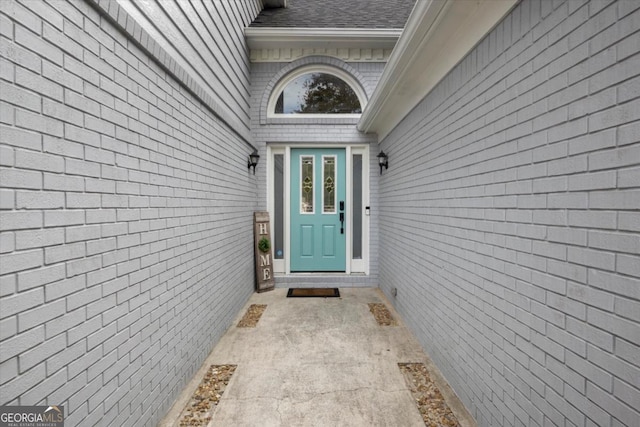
318	274
323	279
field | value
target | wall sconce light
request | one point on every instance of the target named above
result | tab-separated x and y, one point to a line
253	160
383	160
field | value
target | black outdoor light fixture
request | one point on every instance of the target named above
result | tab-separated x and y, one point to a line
383	160
253	160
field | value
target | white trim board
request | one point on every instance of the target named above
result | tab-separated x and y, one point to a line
353	266
268	44
270	37
438	34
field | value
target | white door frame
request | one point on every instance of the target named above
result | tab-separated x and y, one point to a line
283	266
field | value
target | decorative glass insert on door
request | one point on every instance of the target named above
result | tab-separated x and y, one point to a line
306	185
329	184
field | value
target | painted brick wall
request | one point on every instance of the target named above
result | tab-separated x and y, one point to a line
125	218
510	219
264	75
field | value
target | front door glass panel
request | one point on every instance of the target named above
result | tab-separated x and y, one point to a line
306	185
329	182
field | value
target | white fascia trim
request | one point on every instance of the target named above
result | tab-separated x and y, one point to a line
274	3
270	38
438	34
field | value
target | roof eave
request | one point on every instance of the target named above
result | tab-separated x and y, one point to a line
438	34
274	3
271	37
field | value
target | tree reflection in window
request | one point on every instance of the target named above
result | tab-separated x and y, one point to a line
318	93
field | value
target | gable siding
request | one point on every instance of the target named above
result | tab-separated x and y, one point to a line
125	216
207	39
509	218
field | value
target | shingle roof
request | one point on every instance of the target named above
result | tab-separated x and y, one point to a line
337	14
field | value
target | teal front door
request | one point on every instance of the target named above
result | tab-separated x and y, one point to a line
318	210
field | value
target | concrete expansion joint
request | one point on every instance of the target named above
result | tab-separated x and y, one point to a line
315	395
278	410
351	390
312	395
246	399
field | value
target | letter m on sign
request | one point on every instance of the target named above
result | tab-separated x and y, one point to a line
265	260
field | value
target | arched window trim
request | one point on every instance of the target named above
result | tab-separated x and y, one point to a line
315	68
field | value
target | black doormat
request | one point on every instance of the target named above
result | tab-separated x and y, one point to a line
313	293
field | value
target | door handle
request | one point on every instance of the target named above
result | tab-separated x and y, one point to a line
341	216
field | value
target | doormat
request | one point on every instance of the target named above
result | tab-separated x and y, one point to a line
313	293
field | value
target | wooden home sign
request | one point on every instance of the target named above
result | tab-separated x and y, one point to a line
263	252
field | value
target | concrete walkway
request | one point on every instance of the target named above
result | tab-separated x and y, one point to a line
317	362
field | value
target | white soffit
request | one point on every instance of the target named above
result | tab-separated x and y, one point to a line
274	3
438	34
306	38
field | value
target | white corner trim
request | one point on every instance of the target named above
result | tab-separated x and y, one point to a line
438	34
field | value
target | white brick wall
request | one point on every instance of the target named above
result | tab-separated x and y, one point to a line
125	215
510	218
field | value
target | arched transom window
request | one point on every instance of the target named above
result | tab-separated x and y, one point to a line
317	90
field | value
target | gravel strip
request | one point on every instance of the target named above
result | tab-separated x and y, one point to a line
434	410
382	314
207	396
251	317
